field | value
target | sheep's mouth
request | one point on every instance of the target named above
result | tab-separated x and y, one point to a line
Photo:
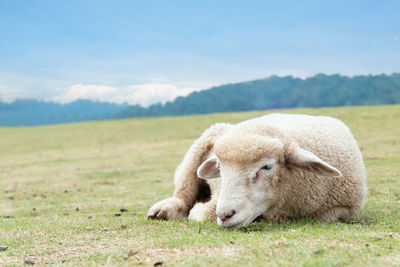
245	222
234	226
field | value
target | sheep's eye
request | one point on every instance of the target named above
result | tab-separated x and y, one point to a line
267	167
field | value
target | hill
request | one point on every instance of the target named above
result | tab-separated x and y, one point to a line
270	93
282	92
33	112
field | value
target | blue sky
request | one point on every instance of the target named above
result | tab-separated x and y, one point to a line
149	51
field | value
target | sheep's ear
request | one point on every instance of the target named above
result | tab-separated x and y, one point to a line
209	169
308	161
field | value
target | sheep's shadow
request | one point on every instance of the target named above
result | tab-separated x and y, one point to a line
360	220
260	224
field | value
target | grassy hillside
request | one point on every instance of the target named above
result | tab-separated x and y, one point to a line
61	187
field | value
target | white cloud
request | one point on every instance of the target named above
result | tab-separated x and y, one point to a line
90	92
147	94
144	94
9	94
15	86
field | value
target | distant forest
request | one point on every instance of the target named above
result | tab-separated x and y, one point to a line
33	112
270	93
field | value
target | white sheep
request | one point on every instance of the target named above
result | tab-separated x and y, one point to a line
278	166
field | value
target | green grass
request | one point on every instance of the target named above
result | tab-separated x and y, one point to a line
63	184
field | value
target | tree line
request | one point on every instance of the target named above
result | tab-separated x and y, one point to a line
281	92
271	93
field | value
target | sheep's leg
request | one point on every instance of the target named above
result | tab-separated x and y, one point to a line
186	180
277	217
203	211
333	214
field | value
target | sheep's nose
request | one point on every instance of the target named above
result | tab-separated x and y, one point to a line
226	215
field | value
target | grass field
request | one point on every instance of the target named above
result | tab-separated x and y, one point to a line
62	188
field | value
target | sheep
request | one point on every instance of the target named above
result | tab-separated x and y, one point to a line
278	166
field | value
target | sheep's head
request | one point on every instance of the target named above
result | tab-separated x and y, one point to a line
250	167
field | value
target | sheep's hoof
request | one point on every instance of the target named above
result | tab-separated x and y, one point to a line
197	213
203	212
168	209
277	217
